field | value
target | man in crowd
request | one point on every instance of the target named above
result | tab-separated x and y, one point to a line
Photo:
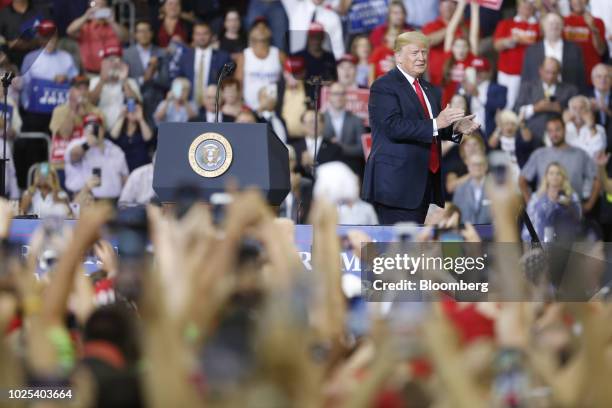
485	97
581	130
318	62
148	66
266	111
344	127
470	196
306	146
601	100
511	39
544	98
15	19
96	31
67	119
206	113
202	64
581	169
95	163
302	13
554	46
589	32
138	189
347	71
112	86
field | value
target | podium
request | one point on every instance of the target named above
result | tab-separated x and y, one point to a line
208	155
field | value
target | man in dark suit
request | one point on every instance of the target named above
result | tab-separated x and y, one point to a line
485	97
543	98
403	171
206	112
306	146
202	64
344	127
553	45
148	65
601	98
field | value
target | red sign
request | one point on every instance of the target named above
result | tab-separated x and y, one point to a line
490	4
356	102
366	143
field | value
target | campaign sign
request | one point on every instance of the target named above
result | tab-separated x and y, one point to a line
45	95
364	15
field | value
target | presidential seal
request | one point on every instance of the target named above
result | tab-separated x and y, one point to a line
210	155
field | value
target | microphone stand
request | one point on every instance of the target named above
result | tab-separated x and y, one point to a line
228	69
6	80
316	82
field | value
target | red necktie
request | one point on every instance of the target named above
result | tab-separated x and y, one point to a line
434	156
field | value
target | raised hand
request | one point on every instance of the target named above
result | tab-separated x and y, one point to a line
466	125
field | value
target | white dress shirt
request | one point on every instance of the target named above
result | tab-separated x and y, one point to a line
276	123
205	53
584	138
549	90
478	103
138	189
337	121
310	145
554	50
111	161
411	81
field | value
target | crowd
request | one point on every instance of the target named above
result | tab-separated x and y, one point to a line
98	81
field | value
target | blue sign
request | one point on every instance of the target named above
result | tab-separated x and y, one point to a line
22	230
364	15
44	96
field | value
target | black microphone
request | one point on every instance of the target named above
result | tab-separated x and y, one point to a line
227	70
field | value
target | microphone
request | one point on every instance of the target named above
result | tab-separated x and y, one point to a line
227	70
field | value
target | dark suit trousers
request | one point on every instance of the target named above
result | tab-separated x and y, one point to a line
392	215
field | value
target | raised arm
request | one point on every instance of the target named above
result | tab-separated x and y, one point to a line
454	22
475	28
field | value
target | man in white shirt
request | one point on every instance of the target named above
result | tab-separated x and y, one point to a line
267	101
303	12
581	130
92	160
138	189
113	87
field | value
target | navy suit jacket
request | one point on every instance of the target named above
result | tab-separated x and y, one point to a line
397	169
187	61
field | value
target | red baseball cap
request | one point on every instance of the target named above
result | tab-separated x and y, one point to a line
112	51
481	64
46	28
316	28
348	58
295	65
92	118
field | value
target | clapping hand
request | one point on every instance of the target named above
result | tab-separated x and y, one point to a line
449	116
466	125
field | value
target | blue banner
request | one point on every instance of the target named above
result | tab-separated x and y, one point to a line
44	96
364	15
22	230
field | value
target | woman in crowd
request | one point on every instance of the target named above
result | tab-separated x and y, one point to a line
172	27
382	59
396	21
176	107
459	51
555	207
361	50
231	93
45	197
512	137
456	169
232	38
133	134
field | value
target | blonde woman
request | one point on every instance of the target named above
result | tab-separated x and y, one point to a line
512	137
555	207
45	196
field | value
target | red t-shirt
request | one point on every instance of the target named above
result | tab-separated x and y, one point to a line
377	36
59	145
436	54
511	60
457	73
94	37
383	60
468	321
164	37
576	30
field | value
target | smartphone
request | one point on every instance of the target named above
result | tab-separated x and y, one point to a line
97	171
552	98
131	105
498	164
94	128
103	13
448	235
